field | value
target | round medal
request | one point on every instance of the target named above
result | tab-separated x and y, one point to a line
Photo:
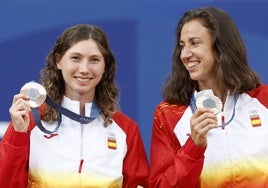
209	101
36	93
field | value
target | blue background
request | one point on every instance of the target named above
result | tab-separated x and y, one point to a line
141	34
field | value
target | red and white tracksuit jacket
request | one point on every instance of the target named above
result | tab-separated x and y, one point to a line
236	156
77	155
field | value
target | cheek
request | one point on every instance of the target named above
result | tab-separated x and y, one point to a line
209	66
102	69
61	65
98	71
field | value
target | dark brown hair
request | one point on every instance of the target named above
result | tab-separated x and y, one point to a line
106	92
231	66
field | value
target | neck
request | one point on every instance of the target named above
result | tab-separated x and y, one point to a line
83	99
222	96
82	109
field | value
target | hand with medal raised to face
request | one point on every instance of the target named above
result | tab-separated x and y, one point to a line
204	117
32	95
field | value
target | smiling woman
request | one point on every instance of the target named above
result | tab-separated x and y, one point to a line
211	126
82	139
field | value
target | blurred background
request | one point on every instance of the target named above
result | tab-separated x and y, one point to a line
141	34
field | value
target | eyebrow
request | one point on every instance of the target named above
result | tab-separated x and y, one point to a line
81	54
75	53
191	39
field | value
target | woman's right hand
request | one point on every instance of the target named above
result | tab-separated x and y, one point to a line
19	112
201	122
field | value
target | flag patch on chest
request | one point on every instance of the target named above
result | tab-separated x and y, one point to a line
254	117
255	121
111	141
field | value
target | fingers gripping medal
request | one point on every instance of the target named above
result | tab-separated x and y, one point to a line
36	93
209	101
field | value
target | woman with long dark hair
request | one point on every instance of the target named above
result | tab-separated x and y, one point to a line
211	129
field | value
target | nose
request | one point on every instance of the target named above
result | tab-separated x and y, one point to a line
84	67
186	52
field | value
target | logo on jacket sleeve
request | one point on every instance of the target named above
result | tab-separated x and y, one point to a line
111	141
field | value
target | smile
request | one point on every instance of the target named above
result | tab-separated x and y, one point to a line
192	64
83	79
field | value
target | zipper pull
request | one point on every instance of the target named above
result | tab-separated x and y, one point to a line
80	165
222	122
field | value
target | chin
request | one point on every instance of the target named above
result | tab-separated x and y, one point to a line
195	78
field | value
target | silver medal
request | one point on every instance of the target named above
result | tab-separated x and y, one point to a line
36	92
209	101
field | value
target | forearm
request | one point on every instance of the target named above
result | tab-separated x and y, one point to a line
181	168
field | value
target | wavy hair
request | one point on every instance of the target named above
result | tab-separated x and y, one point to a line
231	65
106	92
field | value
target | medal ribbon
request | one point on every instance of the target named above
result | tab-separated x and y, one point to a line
76	117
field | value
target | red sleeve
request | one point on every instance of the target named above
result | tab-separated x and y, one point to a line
14	157
135	165
173	165
261	94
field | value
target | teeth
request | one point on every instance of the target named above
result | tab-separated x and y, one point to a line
192	64
83	79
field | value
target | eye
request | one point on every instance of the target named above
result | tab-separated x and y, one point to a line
95	59
195	43
75	58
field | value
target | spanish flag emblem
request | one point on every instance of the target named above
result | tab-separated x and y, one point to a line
255	121
111	143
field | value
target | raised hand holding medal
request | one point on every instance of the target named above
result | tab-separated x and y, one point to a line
38	95
206	99
21	105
